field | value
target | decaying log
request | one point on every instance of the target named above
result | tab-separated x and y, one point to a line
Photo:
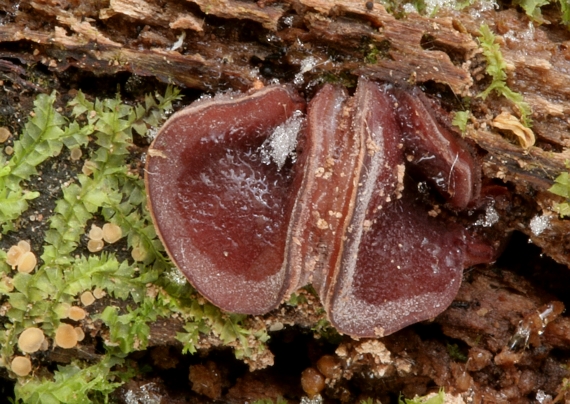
219	45
231	44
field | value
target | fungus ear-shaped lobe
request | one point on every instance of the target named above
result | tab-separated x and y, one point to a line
438	155
408	268
330	155
398	264
221	212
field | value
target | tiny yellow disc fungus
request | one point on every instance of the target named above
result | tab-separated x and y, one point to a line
96	233
75	154
80	334
89	167
27	262
30	340
4	134
76	313
111	233
7	283
65	336
9	150
99	293
95	245
21	365
24	245
138	253
13	254
87	298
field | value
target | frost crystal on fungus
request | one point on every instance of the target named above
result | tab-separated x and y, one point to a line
344	214
538	224
282	142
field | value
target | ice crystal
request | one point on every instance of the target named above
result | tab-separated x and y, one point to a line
434	5
315	400
179	42
521	35
491	217
288	21
147	394
410	8
538	224
307	65
542	397
282	142
175	276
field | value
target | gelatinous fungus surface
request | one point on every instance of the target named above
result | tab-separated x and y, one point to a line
252	200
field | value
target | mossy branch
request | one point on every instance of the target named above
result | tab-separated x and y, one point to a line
496	68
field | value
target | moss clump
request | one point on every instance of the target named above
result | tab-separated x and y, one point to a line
496	68
561	187
132	293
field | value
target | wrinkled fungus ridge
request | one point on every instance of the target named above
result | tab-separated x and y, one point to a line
340	207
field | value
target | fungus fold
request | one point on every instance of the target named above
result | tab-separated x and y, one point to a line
340	208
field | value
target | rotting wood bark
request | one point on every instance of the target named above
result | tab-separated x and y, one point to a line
230	44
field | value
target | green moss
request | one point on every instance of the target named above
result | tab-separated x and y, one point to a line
460	119
532	8
76	383
279	400
137	293
42	138
496	68
565	10
371	56
561	187
296	299
455	353
438	399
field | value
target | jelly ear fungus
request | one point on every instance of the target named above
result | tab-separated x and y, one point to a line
222	214
344	216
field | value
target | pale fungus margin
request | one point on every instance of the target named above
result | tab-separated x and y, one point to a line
80	334
507	121
12	256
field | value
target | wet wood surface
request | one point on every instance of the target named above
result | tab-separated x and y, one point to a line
218	45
